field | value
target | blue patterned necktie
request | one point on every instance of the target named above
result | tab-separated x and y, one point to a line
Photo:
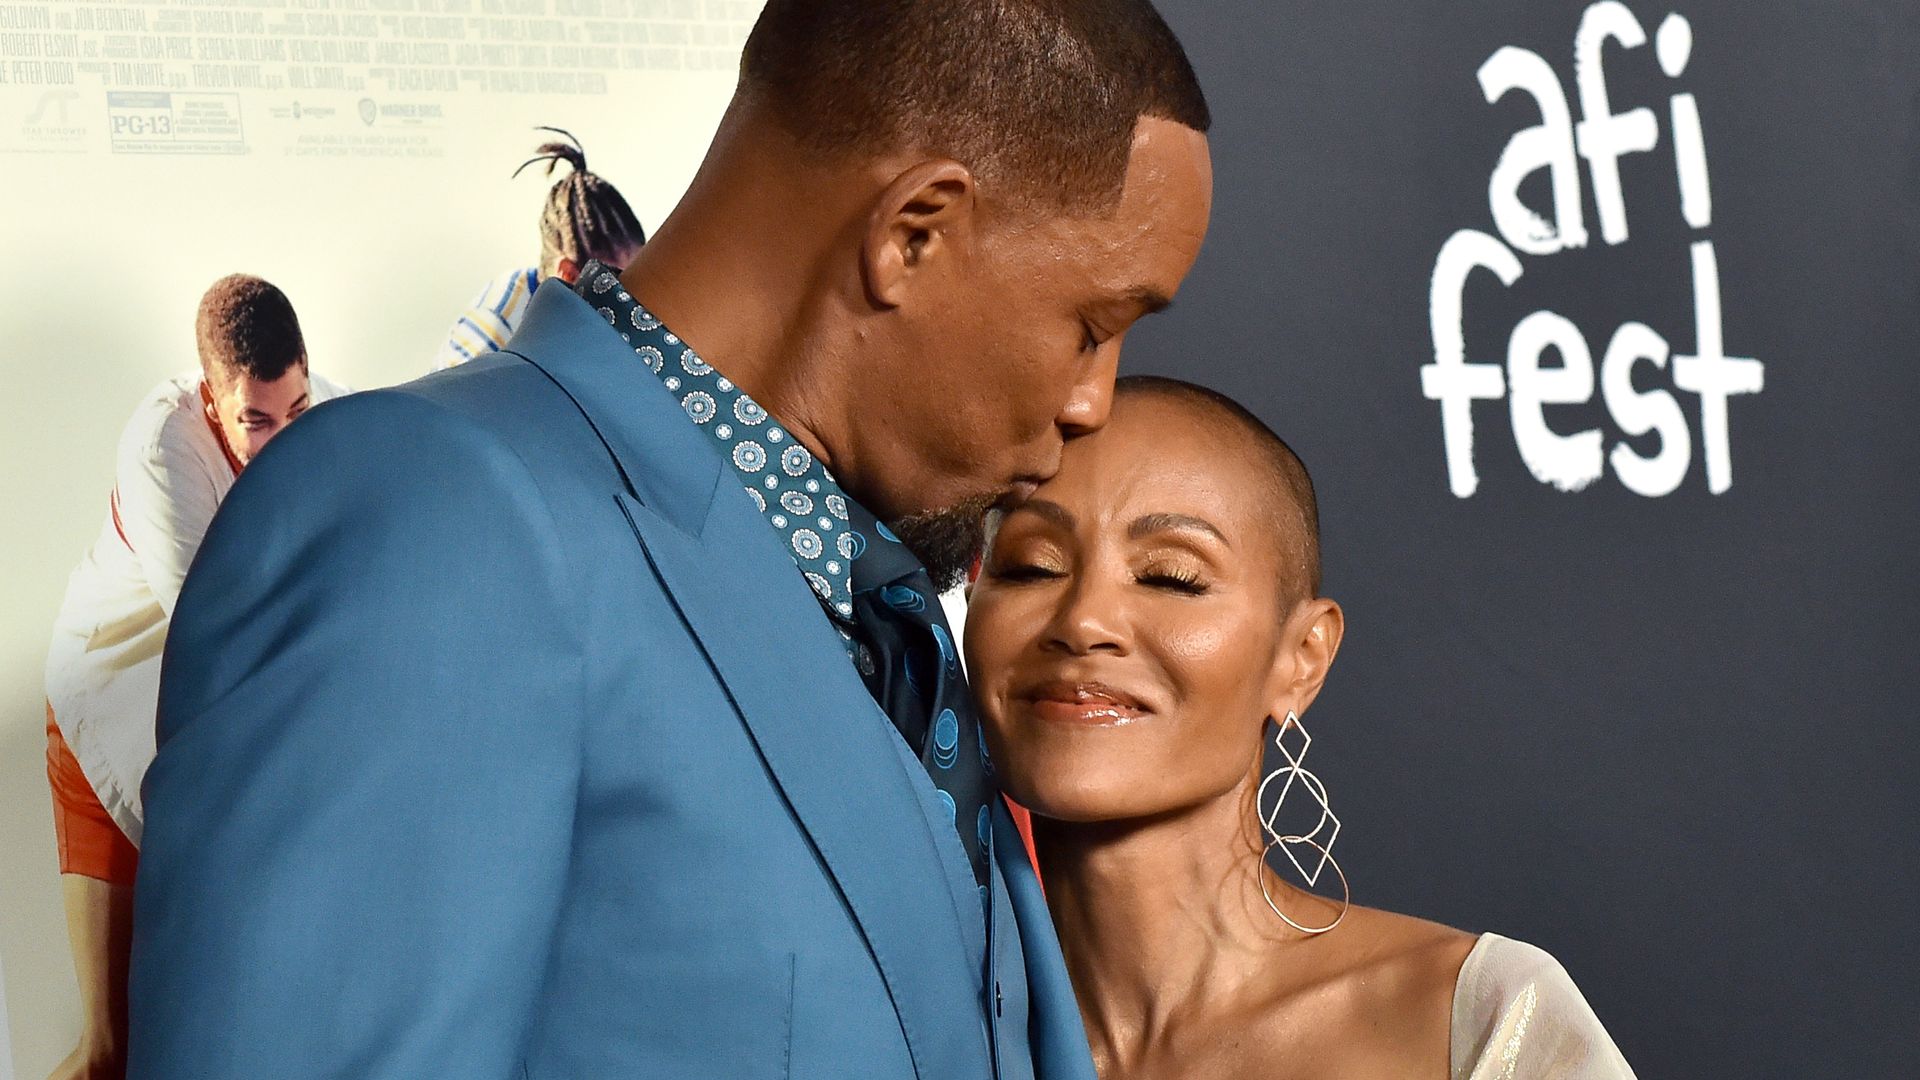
915	675
874	590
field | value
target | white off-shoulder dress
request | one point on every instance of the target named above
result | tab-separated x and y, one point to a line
1518	1016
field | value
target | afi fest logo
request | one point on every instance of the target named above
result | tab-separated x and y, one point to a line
1602	138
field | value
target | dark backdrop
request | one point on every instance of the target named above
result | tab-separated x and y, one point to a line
1666	738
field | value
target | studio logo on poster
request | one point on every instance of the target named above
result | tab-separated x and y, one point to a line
1701	383
51	125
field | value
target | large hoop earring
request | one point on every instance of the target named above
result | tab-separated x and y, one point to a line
1296	773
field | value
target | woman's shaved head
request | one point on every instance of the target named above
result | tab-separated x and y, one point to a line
1275	474
1139	618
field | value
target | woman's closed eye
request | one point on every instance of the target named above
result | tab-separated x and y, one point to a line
1018	570
1186	580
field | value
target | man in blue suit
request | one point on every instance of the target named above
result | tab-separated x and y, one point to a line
587	711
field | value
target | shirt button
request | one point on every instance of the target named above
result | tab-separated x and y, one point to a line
999	1007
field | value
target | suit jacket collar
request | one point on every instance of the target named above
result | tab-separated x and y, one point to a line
827	747
662	458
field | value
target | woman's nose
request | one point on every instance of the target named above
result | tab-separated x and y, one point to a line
1089	619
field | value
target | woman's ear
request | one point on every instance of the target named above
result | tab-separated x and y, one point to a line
1310	642
917	218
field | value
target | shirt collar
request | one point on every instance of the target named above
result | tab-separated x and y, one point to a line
795	493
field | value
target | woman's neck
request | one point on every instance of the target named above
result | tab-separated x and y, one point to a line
1160	920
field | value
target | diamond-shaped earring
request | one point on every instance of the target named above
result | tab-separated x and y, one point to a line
1297	777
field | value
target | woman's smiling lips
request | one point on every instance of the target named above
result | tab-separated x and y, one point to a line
1066	701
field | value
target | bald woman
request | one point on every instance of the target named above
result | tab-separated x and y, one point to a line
1139	629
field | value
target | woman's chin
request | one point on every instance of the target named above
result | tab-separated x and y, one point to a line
1080	798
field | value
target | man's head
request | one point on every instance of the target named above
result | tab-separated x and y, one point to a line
1039	99
254	361
584	217
978	199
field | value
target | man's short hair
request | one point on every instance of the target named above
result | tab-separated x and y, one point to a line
246	326
1284	487
1039	98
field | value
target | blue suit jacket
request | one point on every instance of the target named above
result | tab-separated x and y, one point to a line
500	737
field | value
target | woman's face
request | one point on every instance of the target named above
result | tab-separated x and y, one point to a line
1126	636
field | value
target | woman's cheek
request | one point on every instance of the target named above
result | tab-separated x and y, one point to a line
1212	662
994	638
984	626
1195	643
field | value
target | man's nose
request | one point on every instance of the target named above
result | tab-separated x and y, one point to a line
1091	403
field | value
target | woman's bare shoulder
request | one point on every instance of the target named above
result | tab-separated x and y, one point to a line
1380	998
1402	955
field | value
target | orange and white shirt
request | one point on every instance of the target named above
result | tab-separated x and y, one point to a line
171	473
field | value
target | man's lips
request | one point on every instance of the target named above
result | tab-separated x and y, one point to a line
1093	703
1022	489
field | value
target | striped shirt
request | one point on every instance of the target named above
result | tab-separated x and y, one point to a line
490	320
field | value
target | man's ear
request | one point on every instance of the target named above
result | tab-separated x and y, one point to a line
1306	654
925	214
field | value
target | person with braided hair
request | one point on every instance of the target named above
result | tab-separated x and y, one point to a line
585	218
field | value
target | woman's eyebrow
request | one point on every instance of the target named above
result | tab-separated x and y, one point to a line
1052	511
1148	524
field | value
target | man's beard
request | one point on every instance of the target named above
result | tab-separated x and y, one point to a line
946	541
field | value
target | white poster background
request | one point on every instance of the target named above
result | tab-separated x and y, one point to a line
354	152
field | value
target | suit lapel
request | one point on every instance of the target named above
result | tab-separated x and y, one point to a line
818	731
1057	1038
660	454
